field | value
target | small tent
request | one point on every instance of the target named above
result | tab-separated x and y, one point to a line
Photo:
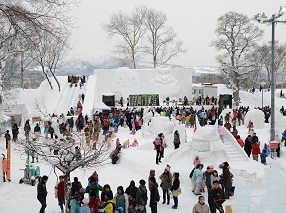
100	106
18	113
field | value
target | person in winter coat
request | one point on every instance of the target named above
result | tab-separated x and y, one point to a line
106	193
198	173
196	161
175	186
154	195
4	168
37	131
152	174
131	191
158	147
207	175
193	178
201	207
27	128
108	205
76	186
239	140
227	179
267	150
220	132
46	131
166	183
121	199
255	151
234	131
15	132
176	139
248	145
214	177
216	198
263	156
60	193
141	194
75	203
93	189
7	136
42	193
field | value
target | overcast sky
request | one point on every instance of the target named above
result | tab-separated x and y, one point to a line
193	21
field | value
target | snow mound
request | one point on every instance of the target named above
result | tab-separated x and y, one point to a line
257	117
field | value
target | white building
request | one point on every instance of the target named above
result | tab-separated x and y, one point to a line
124	82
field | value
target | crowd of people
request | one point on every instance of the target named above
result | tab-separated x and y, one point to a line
134	198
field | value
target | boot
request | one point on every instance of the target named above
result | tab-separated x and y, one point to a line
164	201
168	202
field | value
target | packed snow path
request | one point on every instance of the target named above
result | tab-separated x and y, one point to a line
69	98
233	150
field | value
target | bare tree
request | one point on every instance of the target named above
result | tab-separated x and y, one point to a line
263	55
162	42
130	28
63	155
236	36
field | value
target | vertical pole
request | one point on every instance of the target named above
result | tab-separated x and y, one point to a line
272	122
262	98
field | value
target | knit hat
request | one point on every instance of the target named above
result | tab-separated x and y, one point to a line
132	183
167	169
76	195
142	182
211	166
120	209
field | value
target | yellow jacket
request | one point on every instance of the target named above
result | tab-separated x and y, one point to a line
110	206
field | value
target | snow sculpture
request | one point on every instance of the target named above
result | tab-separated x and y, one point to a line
257	117
125	79
157	125
207	139
165	83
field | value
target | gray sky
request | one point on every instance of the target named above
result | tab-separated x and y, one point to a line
193	21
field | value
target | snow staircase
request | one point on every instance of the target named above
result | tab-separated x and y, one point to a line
232	149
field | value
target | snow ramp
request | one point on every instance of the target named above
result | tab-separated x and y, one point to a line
68	98
233	150
89	95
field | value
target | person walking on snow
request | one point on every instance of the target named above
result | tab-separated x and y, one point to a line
42	193
60	192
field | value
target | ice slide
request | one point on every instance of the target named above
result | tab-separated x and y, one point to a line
68	98
233	150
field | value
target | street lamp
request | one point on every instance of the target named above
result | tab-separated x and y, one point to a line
263	19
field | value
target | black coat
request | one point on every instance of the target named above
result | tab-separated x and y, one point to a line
42	190
131	191
76	186
154	192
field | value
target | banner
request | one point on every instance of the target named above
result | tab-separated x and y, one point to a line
8	177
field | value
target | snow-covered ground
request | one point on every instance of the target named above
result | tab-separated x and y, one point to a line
259	188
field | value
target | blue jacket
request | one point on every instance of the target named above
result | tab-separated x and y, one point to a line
75	207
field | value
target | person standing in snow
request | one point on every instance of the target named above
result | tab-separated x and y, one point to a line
60	192
27	129
176	139
76	186
82	97
7	136
248	145
166	183
42	193
37	131
175	189
141	194
121	199
255	151
154	195
201	207
15	132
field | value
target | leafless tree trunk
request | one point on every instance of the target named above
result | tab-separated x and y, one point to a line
162	42
129	27
68	159
236	36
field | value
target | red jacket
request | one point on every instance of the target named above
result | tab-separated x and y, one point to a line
240	142
256	149
60	190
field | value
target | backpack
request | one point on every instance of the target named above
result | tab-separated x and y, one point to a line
192	172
